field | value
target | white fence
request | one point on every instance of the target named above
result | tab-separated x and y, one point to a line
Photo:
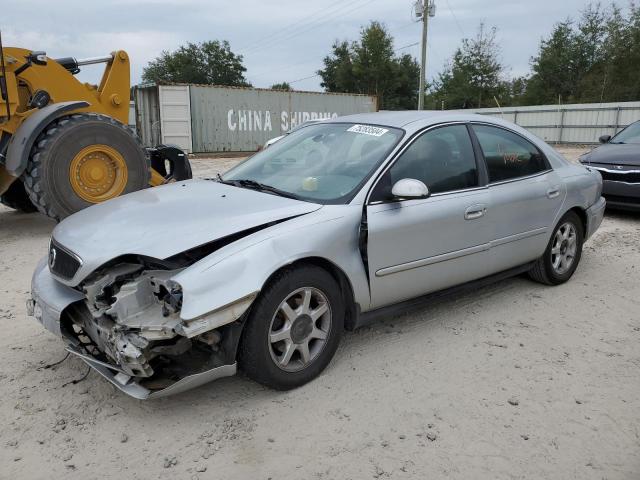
572	123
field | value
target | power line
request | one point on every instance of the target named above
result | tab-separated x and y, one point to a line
322	21
305	78
317	22
455	18
294	24
395	50
407	46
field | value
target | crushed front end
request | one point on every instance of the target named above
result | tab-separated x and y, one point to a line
124	321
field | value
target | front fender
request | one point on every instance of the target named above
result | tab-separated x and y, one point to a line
26	135
240	270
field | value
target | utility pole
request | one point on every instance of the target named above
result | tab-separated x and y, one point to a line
424	11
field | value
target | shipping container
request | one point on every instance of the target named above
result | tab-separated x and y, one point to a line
203	118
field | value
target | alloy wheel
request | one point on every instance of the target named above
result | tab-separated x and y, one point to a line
299	329
564	248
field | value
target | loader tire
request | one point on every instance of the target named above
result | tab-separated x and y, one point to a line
84	159
17	198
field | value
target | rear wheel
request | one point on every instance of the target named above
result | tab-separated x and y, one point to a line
563	252
293	329
17	198
81	160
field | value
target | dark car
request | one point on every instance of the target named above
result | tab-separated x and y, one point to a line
618	161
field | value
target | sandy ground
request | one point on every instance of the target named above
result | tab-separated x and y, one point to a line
514	381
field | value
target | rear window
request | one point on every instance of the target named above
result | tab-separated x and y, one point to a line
507	154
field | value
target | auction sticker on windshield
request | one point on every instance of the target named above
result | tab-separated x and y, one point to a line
368	130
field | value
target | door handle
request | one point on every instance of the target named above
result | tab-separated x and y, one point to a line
474	211
553	192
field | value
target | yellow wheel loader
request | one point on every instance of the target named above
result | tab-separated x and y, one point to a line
65	145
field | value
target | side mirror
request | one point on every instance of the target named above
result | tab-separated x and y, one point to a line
409	188
605	138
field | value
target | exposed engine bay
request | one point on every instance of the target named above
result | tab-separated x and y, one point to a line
130	320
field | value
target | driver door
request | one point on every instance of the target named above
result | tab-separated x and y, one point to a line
420	246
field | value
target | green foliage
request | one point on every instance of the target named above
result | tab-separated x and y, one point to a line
282	86
593	60
210	63
370	66
473	77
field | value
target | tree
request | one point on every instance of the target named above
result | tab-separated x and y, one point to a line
282	86
554	70
473	77
615	76
210	63
592	60
369	66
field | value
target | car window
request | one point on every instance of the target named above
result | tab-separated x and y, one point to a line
442	159
324	163
507	154
631	134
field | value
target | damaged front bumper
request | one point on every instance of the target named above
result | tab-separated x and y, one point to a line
131	387
216	333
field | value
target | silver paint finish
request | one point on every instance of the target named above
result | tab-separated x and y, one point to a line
595	215
163	221
419	246
410	188
50	297
330	233
414	246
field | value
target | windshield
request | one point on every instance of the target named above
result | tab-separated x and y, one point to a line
631	134
323	163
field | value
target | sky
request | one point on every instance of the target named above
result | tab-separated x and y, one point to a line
281	40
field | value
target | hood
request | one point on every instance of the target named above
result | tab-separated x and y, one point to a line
163	221
614	154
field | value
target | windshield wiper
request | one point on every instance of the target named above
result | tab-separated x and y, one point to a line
252	184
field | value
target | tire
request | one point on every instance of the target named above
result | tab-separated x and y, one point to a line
48	178
264	361
17	198
550	269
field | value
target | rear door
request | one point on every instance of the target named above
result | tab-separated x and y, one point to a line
423	245
525	195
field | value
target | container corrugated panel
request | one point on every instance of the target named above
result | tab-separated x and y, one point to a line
148	115
571	123
242	119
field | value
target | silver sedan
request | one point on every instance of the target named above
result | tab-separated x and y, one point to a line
335	225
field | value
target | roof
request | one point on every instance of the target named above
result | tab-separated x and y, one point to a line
257	89
402	118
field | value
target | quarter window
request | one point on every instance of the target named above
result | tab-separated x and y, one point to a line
442	159
508	155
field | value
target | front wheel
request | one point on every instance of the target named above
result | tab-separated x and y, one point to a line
83	159
563	252
293	329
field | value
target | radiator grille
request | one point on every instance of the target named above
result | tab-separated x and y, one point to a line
61	262
629	174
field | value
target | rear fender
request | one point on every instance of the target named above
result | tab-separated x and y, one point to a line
26	135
